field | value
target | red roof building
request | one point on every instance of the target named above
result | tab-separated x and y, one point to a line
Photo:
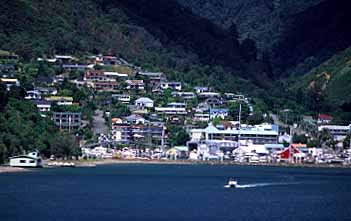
286	154
324	119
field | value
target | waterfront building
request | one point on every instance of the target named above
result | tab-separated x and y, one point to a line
258	134
148	133
30	160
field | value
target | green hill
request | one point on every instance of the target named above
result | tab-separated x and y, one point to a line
329	85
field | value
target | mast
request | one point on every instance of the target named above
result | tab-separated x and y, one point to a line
239	125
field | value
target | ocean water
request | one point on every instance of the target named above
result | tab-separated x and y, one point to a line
176	192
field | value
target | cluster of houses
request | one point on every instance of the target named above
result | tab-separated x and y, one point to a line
144	132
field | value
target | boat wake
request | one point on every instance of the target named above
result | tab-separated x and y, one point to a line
260	185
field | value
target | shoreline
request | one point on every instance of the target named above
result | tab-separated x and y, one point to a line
4	169
9	169
90	163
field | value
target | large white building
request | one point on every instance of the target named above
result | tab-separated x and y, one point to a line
211	141
336	131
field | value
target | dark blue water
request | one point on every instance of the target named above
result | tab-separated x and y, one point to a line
176	192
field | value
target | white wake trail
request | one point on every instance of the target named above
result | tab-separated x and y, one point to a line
260	185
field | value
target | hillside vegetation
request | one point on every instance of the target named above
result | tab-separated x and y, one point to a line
159	36
328	86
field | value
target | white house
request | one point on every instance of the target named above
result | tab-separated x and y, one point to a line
221	113
9	82
336	131
42	105
144	102
172	85
124	98
30	160
33	95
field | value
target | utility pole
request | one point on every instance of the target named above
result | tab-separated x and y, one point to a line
239	125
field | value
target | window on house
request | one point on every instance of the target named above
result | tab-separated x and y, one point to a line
32	161
22	161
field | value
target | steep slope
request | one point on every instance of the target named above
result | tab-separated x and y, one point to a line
158	34
327	88
333	78
296	35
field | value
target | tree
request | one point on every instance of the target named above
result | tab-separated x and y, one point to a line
233	30
346	143
249	50
64	146
234	111
3	153
255	118
299	138
119	110
177	135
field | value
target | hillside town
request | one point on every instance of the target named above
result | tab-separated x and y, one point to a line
116	110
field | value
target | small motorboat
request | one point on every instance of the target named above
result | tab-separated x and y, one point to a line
232	183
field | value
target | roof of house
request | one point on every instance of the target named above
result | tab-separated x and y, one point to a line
41	102
325	117
144	100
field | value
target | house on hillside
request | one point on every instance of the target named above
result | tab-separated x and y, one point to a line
144	102
324	119
220	112
61	100
135	84
9	82
33	95
123	98
46	90
67	120
155	78
43	105
184	95
200	89
172	85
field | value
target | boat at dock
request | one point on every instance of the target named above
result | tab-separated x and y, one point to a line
61	164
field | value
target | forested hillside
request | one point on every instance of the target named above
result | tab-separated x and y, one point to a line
327	88
160	35
296	35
